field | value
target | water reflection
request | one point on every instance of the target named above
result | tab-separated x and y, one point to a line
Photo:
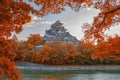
71	75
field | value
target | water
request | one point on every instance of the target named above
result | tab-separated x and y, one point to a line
71	75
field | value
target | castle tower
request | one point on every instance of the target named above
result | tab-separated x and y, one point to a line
58	32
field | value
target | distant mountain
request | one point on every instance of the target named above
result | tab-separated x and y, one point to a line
57	32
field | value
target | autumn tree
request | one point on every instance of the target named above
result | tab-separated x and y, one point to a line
27	48
57	48
6	61
13	14
34	40
108	16
51	53
8	70
42	56
86	48
45	54
108	50
70	53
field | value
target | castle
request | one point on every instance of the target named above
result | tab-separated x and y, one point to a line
57	32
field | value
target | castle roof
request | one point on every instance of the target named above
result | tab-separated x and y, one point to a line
57	24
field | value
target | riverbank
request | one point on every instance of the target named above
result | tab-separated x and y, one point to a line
39	67
70	68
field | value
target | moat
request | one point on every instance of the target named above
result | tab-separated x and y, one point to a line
71	75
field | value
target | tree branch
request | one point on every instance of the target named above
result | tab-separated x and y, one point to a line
111	11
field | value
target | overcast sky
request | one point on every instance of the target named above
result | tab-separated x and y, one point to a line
72	21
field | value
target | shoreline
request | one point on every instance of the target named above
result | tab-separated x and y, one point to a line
63	68
41	67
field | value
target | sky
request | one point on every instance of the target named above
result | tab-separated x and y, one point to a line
71	20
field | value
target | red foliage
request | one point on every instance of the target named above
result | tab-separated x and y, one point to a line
109	49
8	69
